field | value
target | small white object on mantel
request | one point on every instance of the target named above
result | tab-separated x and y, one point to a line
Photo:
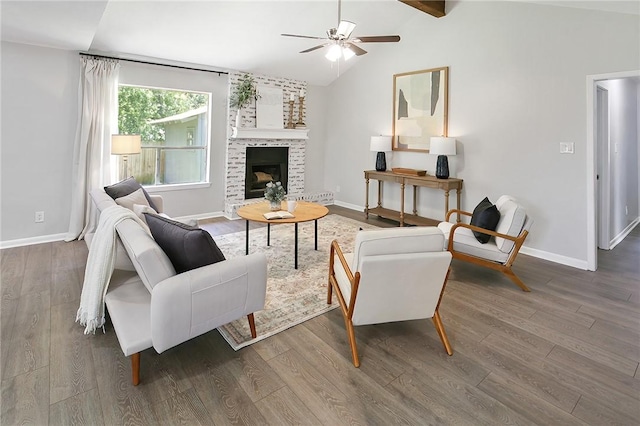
255	133
269	108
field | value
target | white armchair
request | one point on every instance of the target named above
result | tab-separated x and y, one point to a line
503	247
393	274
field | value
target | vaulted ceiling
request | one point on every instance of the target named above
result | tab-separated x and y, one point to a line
240	34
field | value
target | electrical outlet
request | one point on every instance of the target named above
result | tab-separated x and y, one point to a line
338	188
39	217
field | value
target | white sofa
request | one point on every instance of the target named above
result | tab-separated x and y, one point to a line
150	305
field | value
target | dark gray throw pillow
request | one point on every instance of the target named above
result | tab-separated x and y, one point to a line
126	187
187	247
486	215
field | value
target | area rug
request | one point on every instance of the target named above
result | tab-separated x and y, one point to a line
293	295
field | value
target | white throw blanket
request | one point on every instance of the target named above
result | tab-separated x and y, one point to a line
100	265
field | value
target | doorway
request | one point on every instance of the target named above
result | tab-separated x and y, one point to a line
595	210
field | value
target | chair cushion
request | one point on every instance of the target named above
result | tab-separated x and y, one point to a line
485	215
465	242
396	241
341	276
186	246
512	218
126	187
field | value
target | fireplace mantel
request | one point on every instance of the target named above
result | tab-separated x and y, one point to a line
252	133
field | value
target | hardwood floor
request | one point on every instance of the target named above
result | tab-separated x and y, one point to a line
566	353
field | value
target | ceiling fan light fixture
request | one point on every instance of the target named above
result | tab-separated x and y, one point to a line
334	52
347	53
339	41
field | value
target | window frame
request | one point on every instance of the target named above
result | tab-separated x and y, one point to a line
206	183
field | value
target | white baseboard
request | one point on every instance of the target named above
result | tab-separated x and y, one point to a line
32	240
541	254
199	216
556	258
621	236
348	205
60	237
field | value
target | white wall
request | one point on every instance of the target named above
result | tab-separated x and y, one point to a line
316	112
39	113
517	89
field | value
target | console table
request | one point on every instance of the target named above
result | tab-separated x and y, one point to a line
416	181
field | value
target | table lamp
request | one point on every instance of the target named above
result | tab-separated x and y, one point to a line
442	146
125	145
380	144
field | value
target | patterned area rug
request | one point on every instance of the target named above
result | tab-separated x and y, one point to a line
293	295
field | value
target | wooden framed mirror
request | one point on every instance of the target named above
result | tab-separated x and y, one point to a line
420	108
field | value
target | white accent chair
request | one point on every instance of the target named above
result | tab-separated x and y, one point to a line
503	247
394	274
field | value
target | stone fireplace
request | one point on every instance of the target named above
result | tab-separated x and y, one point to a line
235	194
249	150
263	165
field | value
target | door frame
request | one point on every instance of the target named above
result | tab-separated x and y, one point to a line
592	242
603	169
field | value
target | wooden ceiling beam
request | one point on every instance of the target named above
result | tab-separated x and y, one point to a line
433	8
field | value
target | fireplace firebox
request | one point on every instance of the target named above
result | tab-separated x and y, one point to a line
263	165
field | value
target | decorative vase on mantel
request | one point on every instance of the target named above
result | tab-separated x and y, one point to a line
239	118
274	206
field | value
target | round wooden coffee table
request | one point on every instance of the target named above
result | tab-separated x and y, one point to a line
305	212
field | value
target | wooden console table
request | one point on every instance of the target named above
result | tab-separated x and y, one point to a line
404	179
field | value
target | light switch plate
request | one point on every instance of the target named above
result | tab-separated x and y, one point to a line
566	147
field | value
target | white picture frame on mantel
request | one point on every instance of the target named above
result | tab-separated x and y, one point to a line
269	108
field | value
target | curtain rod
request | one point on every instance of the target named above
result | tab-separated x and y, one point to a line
151	63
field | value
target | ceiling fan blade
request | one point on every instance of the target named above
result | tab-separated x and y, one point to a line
377	39
345	28
356	49
311	49
303	36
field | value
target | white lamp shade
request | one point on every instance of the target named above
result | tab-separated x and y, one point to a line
347	53
334	53
442	146
125	144
380	143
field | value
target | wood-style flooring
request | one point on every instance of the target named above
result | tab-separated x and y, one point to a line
566	353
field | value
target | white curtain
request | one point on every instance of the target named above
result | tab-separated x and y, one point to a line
97	120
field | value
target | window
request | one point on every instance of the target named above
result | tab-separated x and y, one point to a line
174	128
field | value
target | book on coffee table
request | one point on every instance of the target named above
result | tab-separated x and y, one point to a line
280	214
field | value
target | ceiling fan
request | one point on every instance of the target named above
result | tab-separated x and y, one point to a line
339	41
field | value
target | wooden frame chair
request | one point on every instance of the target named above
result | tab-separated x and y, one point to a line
500	257
394	274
